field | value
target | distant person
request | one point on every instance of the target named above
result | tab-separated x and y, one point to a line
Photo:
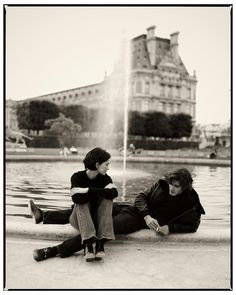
213	155
132	148
64	151
171	205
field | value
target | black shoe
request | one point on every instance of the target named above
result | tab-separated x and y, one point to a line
42	254
88	253
100	252
35	212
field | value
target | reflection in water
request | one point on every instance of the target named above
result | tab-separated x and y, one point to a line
48	184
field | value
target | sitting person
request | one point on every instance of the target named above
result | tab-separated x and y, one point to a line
92	192
170	205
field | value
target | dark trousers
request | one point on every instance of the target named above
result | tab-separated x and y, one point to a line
57	217
124	222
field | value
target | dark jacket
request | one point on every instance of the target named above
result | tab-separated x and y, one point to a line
182	212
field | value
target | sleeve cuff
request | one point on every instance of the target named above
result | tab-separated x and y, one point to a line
144	213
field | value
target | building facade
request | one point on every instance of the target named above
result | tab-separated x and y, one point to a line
11	116
158	81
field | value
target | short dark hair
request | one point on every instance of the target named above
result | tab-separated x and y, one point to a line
183	176
96	155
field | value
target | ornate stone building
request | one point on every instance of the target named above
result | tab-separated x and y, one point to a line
159	81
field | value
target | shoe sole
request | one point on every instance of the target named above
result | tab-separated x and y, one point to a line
90	259
100	256
97	258
31	213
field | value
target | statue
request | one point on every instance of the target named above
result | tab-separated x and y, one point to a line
16	136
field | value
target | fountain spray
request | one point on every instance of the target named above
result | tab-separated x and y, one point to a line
127	65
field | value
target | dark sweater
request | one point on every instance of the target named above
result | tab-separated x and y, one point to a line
158	203
96	187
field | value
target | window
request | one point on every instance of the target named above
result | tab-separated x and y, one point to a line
139	87
170	92
138	106
76	95
189	93
164	107
64	97
147	87
178	91
162	89
89	92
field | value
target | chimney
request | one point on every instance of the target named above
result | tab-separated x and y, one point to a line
151	44
151	32
174	44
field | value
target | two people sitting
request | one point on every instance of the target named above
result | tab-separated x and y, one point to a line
170	205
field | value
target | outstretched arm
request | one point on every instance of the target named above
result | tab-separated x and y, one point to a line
141	203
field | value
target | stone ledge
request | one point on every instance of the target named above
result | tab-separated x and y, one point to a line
138	159
63	232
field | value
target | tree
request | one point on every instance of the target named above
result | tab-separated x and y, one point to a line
157	124
136	123
23	117
63	127
78	113
33	114
181	125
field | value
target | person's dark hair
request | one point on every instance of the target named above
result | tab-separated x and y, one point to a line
183	176
96	155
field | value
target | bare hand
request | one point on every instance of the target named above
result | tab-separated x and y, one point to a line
152	223
78	190
111	185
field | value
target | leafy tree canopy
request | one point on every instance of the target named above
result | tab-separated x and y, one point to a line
33	114
63	126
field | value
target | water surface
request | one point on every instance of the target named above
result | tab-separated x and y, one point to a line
48	184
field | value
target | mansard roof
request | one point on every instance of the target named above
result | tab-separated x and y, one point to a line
164	58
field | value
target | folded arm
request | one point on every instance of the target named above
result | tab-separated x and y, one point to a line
82	195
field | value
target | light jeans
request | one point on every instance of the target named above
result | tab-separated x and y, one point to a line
97	225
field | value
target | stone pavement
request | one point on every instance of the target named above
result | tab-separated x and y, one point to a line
127	265
141	260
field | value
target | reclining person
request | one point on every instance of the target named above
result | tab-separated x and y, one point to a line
170	205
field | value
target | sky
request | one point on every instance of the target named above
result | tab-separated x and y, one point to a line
51	49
